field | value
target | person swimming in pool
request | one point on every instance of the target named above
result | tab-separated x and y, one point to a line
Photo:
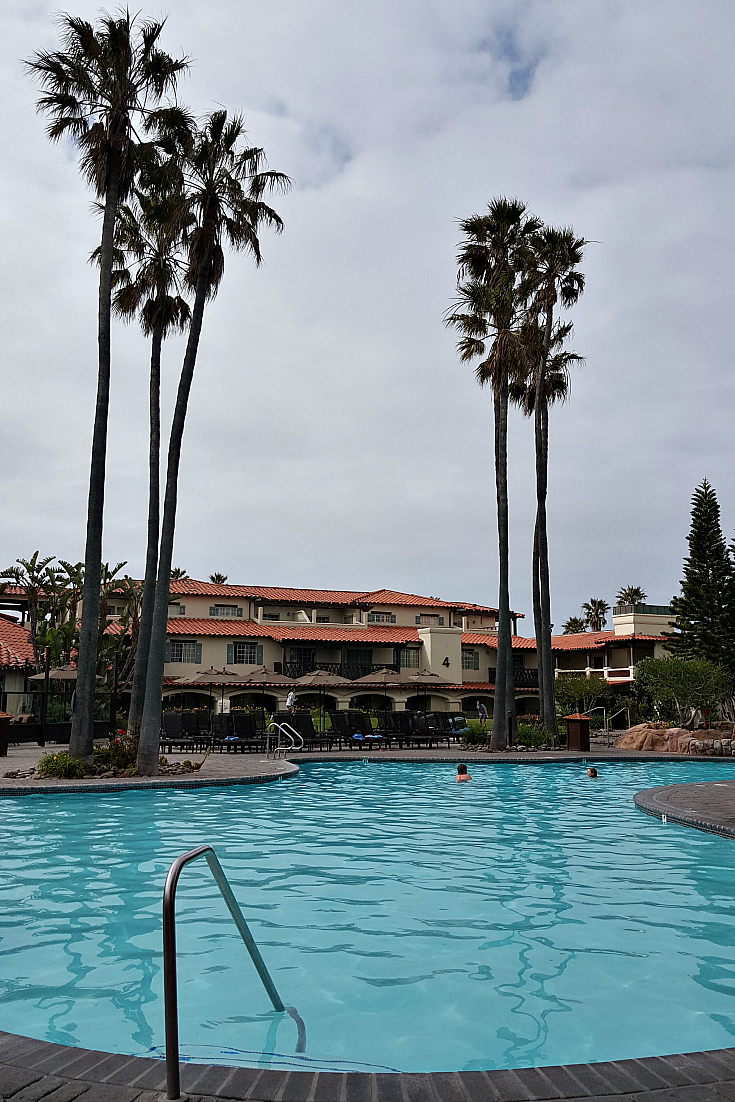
462	774
592	772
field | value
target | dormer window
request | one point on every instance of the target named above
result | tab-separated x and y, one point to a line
381	618
427	620
225	610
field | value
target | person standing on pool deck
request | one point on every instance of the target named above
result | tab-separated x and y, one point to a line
291	701
481	714
462	774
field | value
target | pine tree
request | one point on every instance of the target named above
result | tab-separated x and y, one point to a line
704	624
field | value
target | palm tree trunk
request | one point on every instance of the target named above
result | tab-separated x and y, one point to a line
82	726
537	622
137	695
541	421
151	723
499	739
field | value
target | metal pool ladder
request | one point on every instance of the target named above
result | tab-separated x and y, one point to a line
170	997
285	730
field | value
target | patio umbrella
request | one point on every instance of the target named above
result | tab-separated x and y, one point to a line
384	678
322	679
213	677
262	676
426	678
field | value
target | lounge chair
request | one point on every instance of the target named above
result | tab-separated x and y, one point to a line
362	730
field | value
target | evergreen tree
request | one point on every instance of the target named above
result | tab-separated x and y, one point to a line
704	624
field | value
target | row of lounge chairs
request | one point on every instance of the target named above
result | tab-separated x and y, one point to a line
350	730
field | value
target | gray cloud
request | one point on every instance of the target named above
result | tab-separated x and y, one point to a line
333	438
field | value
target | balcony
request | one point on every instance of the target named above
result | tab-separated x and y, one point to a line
350	670
607	673
521	678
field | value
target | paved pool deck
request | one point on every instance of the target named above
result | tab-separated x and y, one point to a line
31	1070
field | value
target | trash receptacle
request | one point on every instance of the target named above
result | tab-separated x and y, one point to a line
578	732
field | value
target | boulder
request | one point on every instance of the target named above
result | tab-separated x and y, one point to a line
644	736
673	737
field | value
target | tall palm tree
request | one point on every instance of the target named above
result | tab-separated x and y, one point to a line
524	392
557	282
224	185
595	613
574	625
491	310
99	87
148	239
218	579
178	574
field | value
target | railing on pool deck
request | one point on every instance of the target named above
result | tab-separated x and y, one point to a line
170	997
284	730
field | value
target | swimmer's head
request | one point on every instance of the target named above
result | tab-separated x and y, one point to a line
591	772
461	770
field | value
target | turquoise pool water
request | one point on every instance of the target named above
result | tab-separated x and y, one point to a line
532	917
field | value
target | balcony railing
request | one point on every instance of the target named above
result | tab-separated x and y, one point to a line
642	610
608	673
522	678
350	670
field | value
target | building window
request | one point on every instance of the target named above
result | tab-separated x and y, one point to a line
225	610
185	650
271	616
177	610
410	658
426	620
305	656
457	622
470	659
322	619
246	654
381	618
349	619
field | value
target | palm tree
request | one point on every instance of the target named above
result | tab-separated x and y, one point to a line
557	387
224	186
491	309
34	577
148	239
595	612
556	256
178	574
98	88
631	595
218	579
574	625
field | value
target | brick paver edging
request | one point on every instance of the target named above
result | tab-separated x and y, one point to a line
706	805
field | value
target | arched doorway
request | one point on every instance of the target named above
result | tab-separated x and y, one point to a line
254	701
189	702
314	700
527	706
372	702
469	705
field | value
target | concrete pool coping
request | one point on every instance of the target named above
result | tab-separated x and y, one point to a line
31	1070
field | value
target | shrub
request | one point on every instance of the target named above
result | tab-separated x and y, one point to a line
532	734
61	765
120	752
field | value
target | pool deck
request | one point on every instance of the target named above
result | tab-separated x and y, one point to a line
32	1070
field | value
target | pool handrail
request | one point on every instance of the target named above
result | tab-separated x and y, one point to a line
286	729
170	995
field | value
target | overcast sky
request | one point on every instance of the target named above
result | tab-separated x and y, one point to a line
333	439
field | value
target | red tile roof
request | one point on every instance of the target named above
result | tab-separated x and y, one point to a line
309	597
15	648
595	640
325	633
485	686
479	639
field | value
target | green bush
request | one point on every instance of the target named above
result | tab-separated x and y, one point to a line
61	765
119	753
532	734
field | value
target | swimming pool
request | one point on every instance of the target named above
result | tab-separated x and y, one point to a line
533	917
